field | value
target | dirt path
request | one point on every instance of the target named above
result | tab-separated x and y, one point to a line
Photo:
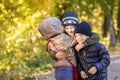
113	70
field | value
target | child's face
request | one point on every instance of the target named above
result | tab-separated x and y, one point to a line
81	38
70	30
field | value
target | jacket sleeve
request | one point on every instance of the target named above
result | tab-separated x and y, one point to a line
79	69
52	54
79	65
69	41
104	59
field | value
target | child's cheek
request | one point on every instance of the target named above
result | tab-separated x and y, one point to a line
83	40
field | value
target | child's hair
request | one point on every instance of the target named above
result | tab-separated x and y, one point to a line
50	27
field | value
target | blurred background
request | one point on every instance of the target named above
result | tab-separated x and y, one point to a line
22	49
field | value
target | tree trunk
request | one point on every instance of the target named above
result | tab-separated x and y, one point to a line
118	23
105	26
112	33
111	29
108	29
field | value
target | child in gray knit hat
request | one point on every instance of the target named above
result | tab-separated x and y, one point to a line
51	29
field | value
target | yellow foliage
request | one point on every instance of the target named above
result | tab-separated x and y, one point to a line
22	47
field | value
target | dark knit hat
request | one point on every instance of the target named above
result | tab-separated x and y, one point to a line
69	19
83	28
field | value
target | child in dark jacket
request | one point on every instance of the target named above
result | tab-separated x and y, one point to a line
94	59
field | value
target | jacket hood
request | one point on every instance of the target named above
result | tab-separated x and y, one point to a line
95	38
50	27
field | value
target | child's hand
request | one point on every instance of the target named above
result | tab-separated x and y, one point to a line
60	55
83	75
79	46
92	70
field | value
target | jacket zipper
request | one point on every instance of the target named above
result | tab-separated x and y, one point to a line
85	61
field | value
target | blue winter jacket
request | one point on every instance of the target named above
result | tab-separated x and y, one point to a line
94	55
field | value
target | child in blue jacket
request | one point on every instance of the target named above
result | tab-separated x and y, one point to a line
94	59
